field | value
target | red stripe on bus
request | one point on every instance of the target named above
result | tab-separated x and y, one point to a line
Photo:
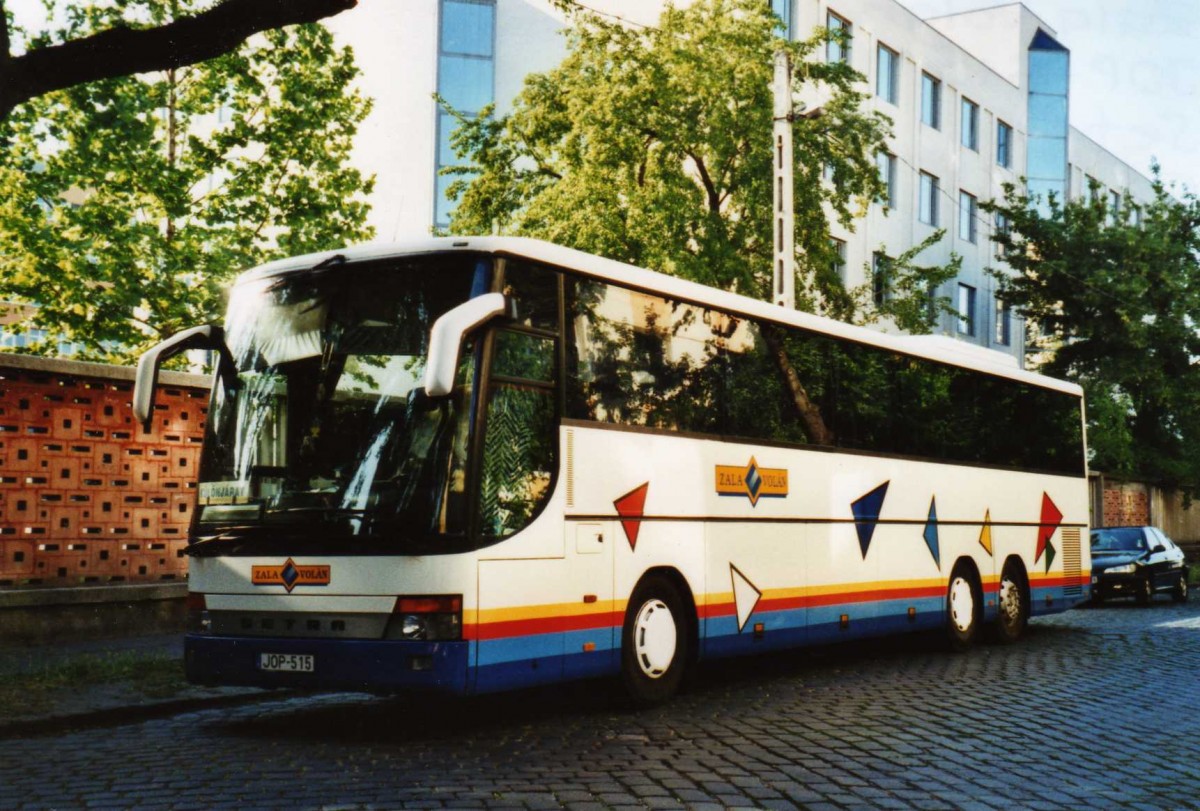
542	625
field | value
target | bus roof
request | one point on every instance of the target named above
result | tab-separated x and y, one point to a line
937	348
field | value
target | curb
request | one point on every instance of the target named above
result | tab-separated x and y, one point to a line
136	713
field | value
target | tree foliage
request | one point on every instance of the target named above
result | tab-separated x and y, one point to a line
1116	301
126	204
654	146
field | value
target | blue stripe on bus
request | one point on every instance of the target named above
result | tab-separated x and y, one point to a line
540	658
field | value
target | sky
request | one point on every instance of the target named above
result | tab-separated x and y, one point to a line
1135	73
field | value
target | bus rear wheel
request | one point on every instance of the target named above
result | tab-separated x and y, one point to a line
963	606
654	642
1012	615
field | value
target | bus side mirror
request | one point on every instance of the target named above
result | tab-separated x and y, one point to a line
146	380
446	337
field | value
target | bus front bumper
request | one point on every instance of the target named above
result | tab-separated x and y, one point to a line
329	664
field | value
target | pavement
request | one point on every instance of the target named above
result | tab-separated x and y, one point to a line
1096	708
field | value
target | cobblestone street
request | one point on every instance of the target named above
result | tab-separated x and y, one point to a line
1095	708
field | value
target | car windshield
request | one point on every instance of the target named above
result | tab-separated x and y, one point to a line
1119	539
328	430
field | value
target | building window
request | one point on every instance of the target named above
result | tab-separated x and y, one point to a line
1135	215
783	10
968	210
466	65
838	247
1048	120
1001	226
880	281
928	204
887	76
931	101
1114	207
970	124
966	309
1004	136
1003	323
1091	190
887	173
838	49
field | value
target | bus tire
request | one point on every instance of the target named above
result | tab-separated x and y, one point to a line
654	641
1012	604
964	607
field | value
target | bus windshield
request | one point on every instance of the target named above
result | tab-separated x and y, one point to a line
328	430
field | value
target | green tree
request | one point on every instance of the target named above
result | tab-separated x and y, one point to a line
1116	303
127	204
654	146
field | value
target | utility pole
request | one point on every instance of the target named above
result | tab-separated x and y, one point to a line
785	221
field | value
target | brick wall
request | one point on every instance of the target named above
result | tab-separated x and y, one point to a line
86	495
1126	506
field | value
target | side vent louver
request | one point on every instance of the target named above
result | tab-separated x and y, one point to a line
570	468
1071	562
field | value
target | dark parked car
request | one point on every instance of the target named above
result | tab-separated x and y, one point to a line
1136	562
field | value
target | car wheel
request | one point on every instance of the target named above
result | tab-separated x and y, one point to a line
1145	591
1012	613
654	642
1181	589
963	608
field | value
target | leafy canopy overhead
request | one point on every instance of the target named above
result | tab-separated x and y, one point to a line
127	204
1116	301
654	146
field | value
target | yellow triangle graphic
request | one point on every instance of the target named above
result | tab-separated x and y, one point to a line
985	535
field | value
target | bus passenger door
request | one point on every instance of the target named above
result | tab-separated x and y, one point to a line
592	628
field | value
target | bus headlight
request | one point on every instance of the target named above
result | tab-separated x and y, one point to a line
412	627
430	619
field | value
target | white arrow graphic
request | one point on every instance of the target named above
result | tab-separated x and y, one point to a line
745	596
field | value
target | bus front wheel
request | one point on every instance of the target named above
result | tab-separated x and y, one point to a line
963	608
654	641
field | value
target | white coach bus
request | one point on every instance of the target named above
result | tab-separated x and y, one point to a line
480	464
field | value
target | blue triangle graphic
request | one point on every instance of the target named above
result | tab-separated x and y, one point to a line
931	533
866	515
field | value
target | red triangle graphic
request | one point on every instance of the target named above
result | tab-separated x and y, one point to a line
1051	518
631	507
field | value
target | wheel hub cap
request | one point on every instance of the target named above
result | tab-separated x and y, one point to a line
654	636
962	604
1010	600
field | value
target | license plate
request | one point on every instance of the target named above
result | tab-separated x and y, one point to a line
286	662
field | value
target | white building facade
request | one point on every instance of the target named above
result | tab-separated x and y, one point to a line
978	100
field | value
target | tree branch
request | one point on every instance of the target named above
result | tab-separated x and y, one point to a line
125	51
714	198
5	42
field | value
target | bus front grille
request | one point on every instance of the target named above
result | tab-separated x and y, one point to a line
299	624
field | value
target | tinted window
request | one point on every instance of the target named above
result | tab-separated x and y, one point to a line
637	359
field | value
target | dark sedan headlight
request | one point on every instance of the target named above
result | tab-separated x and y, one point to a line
1128	568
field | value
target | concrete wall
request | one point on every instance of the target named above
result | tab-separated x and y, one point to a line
86	495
